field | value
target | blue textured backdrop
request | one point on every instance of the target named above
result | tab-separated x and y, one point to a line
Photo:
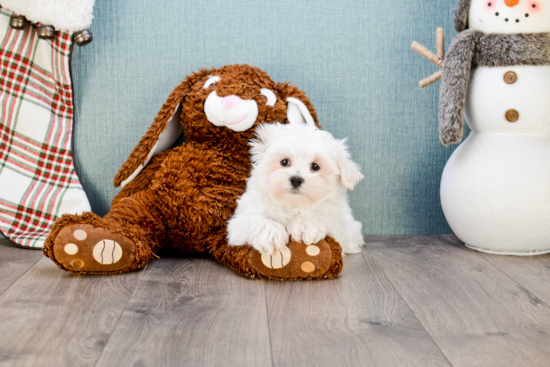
352	57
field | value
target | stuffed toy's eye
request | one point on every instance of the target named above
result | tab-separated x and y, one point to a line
315	167
211	81
285	162
268	93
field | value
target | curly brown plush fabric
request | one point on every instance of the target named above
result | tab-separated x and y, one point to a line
182	199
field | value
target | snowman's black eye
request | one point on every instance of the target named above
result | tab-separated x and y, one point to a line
285	162
534	5
315	167
490	4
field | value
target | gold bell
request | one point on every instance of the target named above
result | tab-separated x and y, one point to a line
46	32
83	37
18	22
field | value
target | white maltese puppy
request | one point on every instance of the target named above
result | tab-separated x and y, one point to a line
297	189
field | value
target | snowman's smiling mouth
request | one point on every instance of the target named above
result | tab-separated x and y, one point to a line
507	19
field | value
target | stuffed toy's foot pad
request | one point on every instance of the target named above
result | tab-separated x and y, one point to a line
297	261
85	248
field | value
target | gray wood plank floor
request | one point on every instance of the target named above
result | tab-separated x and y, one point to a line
14	262
405	301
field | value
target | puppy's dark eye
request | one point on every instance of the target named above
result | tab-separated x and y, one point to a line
285	162
315	167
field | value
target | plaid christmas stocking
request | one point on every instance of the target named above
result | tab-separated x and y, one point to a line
38	178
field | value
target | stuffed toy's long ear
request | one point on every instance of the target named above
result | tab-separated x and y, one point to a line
350	172
299	109
164	131
162	134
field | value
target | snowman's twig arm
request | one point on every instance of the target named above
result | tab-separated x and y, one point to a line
436	59
440	43
431	79
427	54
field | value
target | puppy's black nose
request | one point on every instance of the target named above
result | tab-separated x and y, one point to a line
296	181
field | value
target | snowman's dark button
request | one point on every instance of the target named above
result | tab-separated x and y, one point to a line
510	77
512	115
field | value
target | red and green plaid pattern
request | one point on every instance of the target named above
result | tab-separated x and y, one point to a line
38	181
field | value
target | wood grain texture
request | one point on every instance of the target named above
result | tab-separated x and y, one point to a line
357	319
476	314
192	312
407	300
532	272
53	318
14	262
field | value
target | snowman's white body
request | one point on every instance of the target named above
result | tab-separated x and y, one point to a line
495	188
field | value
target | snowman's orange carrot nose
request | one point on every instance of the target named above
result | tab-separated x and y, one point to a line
511	3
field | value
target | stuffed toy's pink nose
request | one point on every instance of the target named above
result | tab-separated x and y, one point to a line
230	101
511	3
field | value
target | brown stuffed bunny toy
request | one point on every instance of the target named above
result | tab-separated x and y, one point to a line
180	199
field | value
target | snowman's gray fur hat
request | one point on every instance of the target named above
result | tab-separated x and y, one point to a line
461	15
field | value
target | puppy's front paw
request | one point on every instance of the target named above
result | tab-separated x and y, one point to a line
305	232
268	236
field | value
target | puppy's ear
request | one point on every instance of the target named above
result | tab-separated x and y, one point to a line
264	135
299	110
350	172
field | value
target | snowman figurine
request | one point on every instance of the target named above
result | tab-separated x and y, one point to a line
495	188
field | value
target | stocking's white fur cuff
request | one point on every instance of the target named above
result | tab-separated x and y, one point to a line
64	15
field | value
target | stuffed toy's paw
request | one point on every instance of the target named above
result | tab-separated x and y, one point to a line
84	248
86	244
298	261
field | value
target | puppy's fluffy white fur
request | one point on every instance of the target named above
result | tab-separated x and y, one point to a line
272	209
